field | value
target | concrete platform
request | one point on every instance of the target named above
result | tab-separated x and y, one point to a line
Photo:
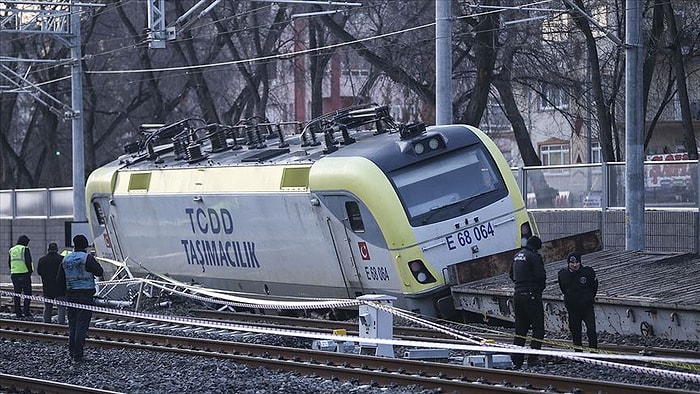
645	293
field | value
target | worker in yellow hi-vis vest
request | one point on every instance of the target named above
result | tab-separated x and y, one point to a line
21	268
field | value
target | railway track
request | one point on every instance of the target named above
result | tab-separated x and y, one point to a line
379	370
419	333
408	333
22	384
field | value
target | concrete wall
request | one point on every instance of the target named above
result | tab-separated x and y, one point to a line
559	224
666	231
40	233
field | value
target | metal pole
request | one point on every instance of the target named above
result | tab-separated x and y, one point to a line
604	197
77	118
443	62
589	124
634	129
697	201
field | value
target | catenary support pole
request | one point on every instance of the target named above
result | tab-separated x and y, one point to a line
634	129
79	214
443	62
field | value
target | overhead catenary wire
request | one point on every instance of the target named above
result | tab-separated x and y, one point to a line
275	56
294	53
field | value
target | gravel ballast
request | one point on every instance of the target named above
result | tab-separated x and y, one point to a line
141	371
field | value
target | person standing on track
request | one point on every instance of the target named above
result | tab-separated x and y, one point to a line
79	271
579	285
21	268
530	278
48	268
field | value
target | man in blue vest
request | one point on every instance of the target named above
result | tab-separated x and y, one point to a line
21	268
79	271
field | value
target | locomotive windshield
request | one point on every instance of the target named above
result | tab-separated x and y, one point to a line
449	185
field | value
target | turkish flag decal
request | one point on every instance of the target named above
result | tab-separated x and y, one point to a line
364	250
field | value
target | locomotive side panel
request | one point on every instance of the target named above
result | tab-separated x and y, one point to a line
235	240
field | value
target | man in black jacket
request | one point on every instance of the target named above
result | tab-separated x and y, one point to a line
47	268
530	280
579	286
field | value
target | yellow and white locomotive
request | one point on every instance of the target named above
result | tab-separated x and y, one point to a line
378	208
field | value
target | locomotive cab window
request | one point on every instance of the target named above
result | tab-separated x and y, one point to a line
354	217
428	189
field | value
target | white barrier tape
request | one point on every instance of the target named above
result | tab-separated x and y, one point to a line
475	339
592	358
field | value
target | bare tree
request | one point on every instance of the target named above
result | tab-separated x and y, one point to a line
223	68
602	105
679	67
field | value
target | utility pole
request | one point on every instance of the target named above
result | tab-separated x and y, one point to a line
79	210
634	129
443	62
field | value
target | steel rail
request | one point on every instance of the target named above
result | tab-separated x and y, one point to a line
367	369
22	384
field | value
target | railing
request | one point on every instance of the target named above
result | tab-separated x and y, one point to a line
36	203
667	184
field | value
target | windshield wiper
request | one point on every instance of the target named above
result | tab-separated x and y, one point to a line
433	210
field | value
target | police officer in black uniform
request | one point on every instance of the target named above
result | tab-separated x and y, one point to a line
579	285
530	280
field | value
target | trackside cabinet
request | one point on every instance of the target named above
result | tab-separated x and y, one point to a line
376	324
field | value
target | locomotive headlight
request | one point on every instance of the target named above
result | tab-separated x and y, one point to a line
433	143
420	272
419	148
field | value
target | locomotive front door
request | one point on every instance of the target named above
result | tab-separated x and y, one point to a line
342	224
106	241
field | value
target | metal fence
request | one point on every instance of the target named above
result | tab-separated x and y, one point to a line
37	203
667	184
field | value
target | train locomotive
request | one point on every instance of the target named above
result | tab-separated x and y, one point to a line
352	203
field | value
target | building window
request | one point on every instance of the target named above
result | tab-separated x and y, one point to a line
494	119
596	153
552	97
554	155
354	73
695	110
556	28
